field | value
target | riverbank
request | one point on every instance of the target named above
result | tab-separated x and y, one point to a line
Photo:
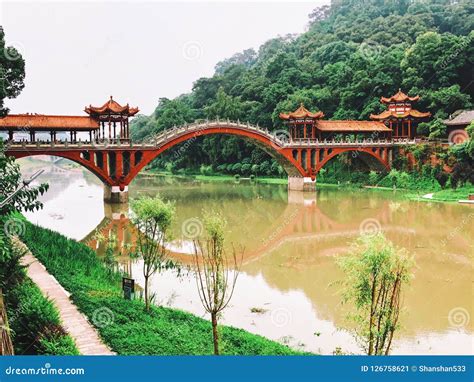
124	325
35	323
442	196
447	195
217	178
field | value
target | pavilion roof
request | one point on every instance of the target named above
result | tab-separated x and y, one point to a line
302	113
464	117
348	126
112	107
399	97
47	122
386	114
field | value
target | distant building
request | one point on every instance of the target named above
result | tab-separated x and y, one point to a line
456	125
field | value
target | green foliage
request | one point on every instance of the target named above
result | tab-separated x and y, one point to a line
350	56
205	170
153	218
153	214
11	272
373	177
35	323
375	272
10	181
215	225
437	129
33	319
162	331
12	72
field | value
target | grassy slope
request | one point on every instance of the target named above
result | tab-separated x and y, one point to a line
124	325
30	314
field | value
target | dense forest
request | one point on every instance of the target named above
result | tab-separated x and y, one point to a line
348	58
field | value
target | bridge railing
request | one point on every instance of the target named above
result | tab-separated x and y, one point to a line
201	125
406	141
279	138
338	142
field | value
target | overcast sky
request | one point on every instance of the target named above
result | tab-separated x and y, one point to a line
81	53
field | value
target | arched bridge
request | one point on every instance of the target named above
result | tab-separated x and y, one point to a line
117	162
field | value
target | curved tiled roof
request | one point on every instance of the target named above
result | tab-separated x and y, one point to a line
410	113
111	107
47	122
302	113
346	126
464	117
399	97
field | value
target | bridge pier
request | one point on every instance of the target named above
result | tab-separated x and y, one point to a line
113	194
299	183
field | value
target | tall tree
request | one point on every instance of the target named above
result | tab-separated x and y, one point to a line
375	273
153	218
215	274
12	72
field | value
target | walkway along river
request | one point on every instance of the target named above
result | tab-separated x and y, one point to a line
286	290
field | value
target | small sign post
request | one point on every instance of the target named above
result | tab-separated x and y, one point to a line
128	287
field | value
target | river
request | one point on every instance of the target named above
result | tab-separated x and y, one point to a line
287	289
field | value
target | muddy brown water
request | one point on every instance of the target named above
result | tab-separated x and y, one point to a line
287	287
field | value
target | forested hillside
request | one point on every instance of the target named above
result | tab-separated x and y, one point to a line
353	53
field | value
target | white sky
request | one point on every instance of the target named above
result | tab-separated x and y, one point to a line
81	53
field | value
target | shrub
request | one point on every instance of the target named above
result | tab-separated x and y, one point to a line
246	168
205	170
236	168
133	331
35	323
373	177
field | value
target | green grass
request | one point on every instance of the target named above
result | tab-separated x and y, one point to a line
34	322
124	325
216	177
454	195
228	178
447	195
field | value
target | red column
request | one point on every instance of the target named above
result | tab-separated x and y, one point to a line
105	162
118	164
308	160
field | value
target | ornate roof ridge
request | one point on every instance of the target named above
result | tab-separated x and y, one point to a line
301	112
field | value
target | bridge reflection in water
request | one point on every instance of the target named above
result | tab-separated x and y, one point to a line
291	247
301	221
